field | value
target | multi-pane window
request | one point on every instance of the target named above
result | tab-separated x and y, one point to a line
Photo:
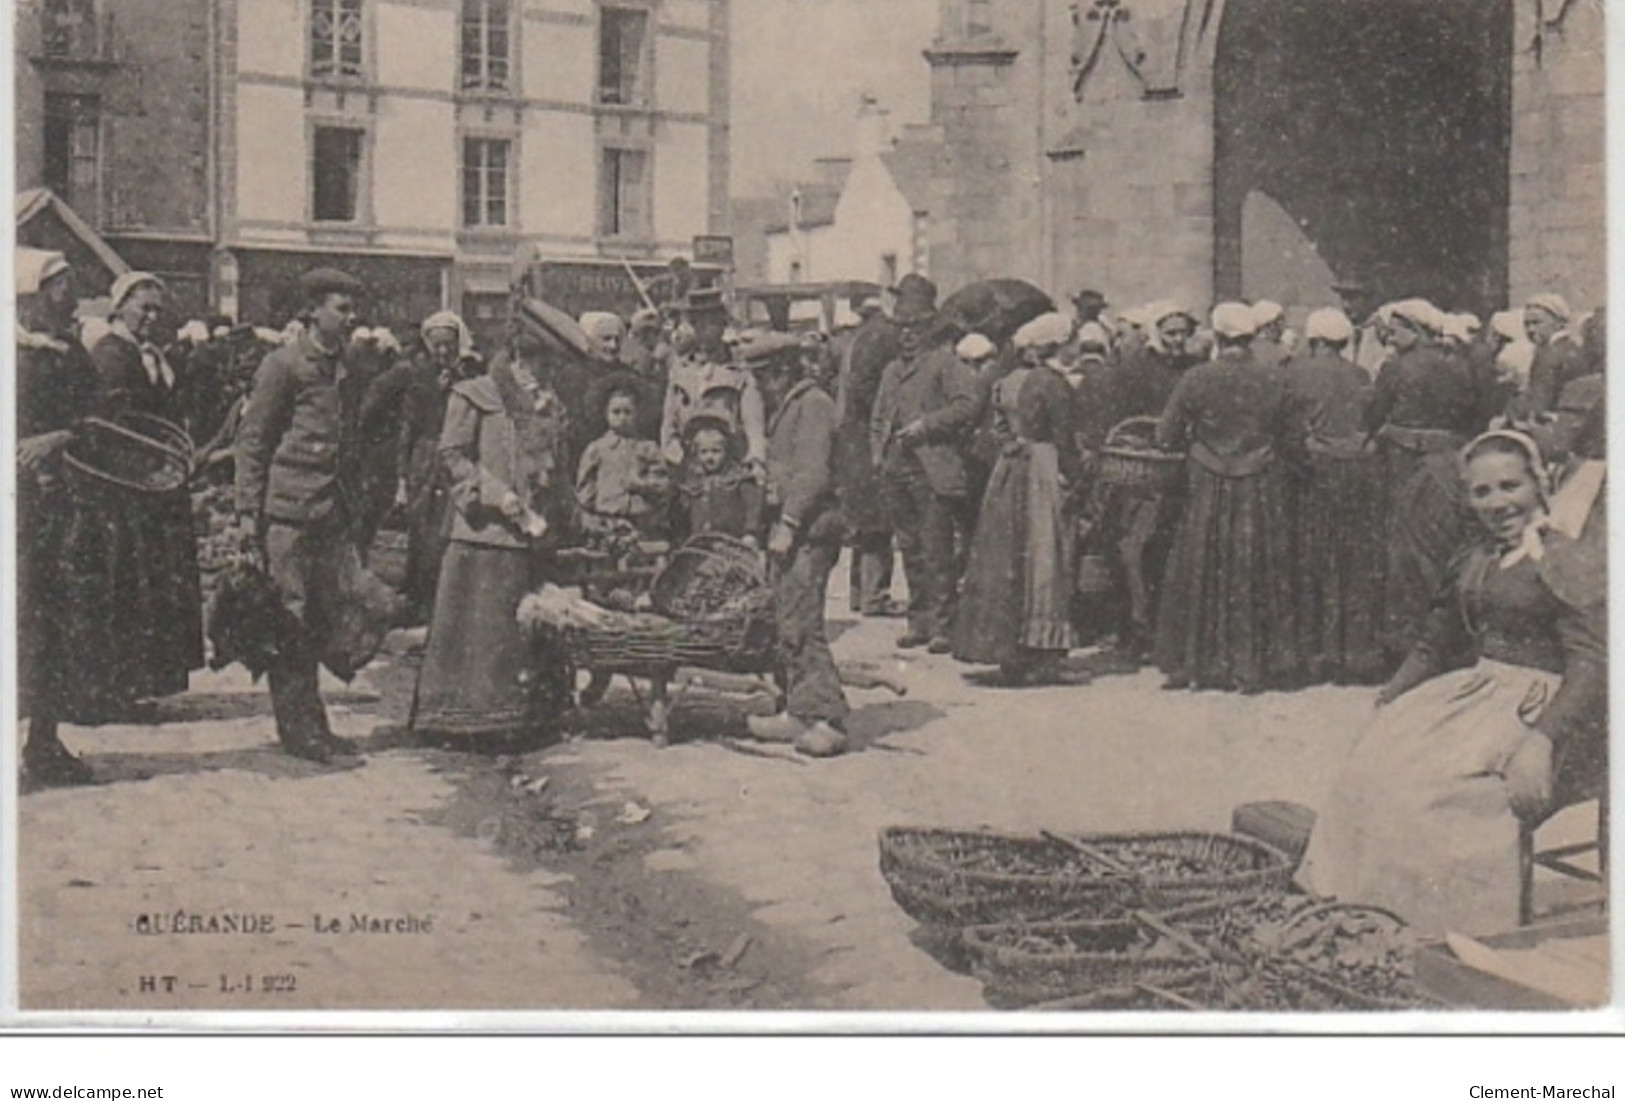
336	166
335	38
623	196
486	44
622	36
73	151
486	170
69	29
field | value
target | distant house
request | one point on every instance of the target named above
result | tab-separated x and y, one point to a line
872	225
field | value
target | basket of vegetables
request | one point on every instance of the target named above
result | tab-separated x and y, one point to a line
1362	957
1179	867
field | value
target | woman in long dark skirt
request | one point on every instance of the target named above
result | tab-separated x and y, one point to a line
1424	409
158	621
1339	508
1014	606
1227	618
505	448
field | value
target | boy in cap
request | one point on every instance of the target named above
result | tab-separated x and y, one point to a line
290	504
927	405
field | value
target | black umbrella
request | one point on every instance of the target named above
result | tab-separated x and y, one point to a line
996	308
554	326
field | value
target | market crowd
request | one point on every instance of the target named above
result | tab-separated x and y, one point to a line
1393	496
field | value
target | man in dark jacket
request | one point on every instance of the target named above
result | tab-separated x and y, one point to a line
863	356
927	403
290	501
803	547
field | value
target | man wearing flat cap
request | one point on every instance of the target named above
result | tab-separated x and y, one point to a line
290	503
803	546
927	404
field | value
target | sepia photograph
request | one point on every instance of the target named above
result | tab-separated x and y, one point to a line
1052	514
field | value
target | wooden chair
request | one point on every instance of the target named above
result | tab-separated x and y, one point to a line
1560	858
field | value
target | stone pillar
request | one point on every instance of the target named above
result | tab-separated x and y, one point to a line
1129	141
1558	201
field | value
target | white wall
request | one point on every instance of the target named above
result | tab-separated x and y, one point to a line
416	175
682	202
872	219
415	47
682	75
559	174
271	37
560	60
272	159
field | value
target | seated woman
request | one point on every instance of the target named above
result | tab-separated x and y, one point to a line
1505	696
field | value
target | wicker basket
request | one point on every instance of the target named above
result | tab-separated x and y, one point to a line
1130	457
944	877
133	453
1182	867
705	575
1382	924
741	637
1025	963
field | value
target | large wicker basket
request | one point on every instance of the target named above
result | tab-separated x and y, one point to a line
1129	457
1026	963
705	575
945	877
740	637
131	453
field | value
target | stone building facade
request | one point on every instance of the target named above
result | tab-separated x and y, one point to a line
427	145
1206	148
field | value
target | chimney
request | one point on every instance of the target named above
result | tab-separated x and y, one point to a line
872	134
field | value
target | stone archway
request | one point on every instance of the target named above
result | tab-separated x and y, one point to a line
1363	141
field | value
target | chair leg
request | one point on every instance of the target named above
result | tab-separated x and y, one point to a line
1526	873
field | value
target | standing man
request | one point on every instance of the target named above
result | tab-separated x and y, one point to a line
868	349
927	404
706	380
290	504
803	547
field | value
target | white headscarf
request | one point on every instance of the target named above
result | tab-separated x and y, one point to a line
130	282
448	319
35	267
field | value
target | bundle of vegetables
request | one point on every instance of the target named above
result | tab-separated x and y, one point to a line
1021	963
561	609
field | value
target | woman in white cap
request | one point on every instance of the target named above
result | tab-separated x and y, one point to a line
1226	619
1498	714
1424	409
1339	507
59	617
159	624
1269	346
1558	358
1014	609
1139	521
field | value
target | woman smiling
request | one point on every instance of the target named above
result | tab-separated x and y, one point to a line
1506	691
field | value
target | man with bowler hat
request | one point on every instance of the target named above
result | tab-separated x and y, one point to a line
292	453
927	402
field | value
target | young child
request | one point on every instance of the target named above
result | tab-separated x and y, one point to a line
620	476
717	494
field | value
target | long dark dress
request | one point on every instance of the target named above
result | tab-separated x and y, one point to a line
1339	510
1018	584
427	488
157	620
65	649
1423	410
481	675
1227	617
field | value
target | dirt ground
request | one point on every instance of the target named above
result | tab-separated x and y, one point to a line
603	872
